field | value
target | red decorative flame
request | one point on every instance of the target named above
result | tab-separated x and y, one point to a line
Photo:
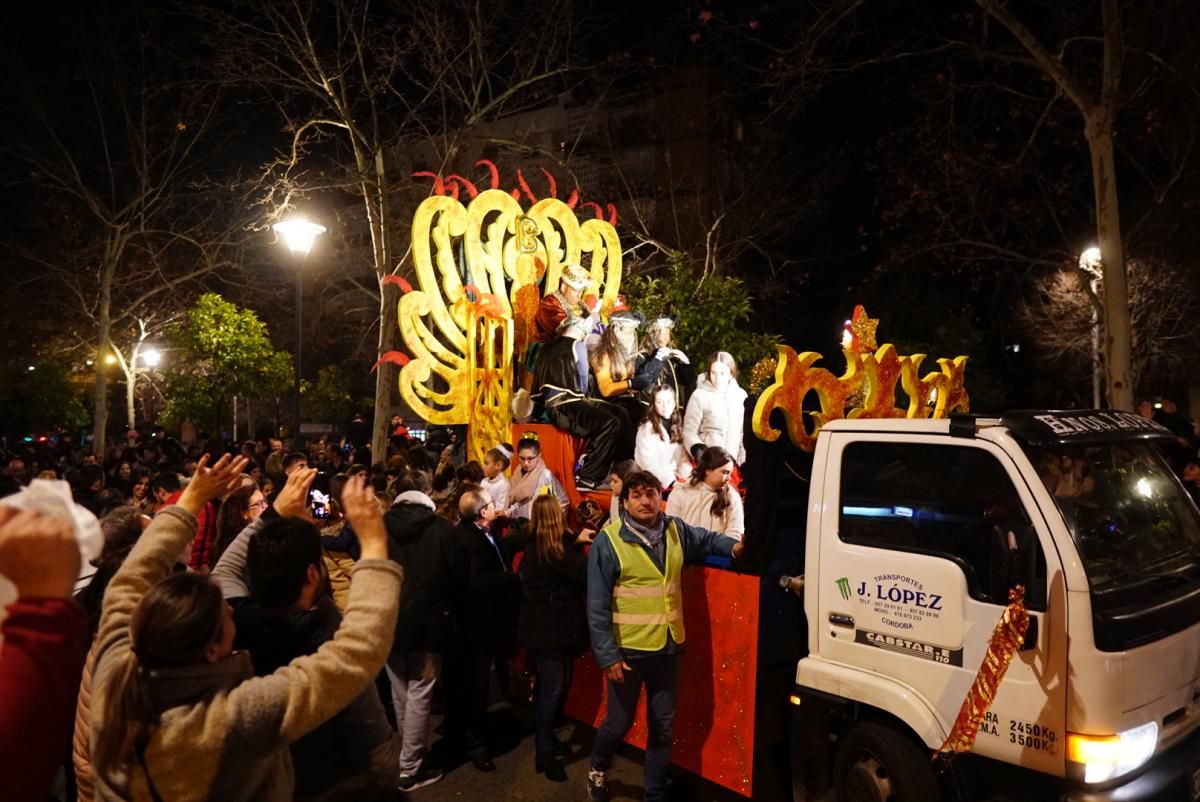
439	188
495	172
551	181
392	357
596	206
612	215
573	199
470	187
399	281
525	186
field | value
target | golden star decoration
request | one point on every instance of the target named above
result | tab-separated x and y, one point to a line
862	330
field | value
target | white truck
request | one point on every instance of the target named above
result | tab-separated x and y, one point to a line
916	530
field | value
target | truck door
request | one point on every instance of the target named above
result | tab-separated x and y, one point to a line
920	542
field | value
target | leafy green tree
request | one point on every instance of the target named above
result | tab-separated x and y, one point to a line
224	351
39	396
713	310
331	398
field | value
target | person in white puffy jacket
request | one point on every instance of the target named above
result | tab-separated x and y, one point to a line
707	501
659	447
715	410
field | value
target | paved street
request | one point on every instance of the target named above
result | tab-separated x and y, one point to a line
514	778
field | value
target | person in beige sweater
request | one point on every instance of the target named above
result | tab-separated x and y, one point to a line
707	501
176	713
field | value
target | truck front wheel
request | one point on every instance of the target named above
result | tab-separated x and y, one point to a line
874	763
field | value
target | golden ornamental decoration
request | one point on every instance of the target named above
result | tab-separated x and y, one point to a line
481	270
871	370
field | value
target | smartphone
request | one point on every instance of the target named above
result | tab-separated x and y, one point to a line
318	504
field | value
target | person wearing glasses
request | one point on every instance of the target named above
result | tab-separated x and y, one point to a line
531	479
486	611
243	506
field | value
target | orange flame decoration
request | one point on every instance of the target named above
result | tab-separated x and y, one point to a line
1006	639
937	394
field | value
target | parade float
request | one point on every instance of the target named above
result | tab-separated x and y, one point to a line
483	259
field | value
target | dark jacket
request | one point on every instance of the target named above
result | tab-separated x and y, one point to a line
556	375
551	617
347	745
487	603
425	546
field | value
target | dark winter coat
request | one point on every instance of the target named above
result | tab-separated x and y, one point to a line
487	603
552	608
347	745
426	547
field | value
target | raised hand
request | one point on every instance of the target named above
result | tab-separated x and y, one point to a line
208	483
38	553
292	501
362	511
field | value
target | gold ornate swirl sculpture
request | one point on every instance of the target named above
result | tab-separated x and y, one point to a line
482	269
875	369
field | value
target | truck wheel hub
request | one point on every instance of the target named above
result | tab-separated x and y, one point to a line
867	781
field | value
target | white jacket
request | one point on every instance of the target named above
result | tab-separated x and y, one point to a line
693	503
714	418
664	459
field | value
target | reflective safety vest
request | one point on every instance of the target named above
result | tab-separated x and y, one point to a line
646	604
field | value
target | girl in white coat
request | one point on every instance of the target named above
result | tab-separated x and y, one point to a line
659	446
715	410
707	500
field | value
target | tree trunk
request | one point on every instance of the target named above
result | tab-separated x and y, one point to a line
130	388
385	377
100	406
1117	331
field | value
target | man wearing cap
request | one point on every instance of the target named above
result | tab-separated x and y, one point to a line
677	372
568	300
561	380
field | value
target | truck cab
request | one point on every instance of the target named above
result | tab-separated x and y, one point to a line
917	530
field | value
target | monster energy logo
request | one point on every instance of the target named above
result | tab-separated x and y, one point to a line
843	586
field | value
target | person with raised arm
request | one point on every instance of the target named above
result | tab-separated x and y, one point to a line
177	713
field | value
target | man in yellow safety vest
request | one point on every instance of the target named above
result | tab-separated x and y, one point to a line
635	614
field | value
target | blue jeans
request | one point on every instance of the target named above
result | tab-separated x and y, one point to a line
660	674
553	670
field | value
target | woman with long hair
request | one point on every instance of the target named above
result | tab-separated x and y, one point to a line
139	490
659	447
716	410
240	508
177	714
707	500
551	623
620	376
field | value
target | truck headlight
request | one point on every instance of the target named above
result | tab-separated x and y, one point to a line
1106	756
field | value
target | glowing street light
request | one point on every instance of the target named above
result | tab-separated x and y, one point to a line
151	357
298	235
110	359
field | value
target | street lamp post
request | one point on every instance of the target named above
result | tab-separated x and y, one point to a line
1090	262
298	235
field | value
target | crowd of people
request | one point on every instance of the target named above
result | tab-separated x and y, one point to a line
265	623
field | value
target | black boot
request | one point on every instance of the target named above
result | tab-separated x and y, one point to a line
547	763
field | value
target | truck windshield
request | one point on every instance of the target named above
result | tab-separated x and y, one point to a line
1137	532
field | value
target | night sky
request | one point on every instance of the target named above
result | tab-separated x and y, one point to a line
901	158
